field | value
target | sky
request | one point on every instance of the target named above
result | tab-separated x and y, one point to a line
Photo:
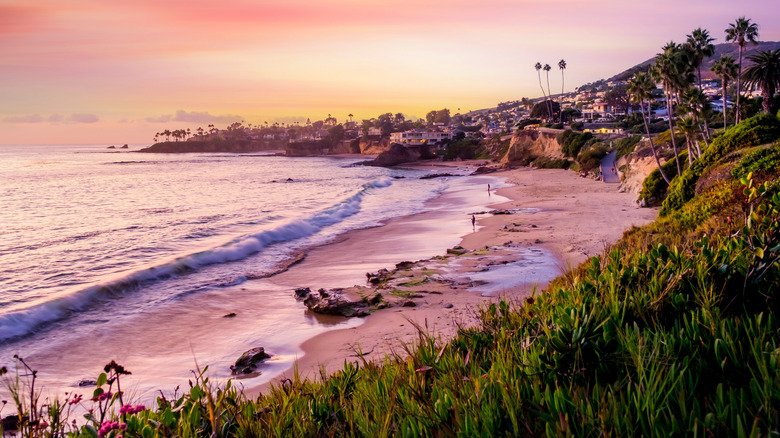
115	72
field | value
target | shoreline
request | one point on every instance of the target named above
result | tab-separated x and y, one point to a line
555	213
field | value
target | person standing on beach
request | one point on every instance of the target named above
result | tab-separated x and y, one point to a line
473	222
488	189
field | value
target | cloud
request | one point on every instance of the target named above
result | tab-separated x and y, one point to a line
35	118
54	118
82	118
195	117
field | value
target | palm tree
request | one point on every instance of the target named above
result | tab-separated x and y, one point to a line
562	66
538	68
641	89
547	69
696	104
701	46
690	129
727	70
673	70
350	115
765	75
741	32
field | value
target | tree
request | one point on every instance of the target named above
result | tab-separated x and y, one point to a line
617	97
547	69
399	119
765	75
562	66
696	106
673	70
701	46
538	68
541	109
727	70
641	89
690	129
741	32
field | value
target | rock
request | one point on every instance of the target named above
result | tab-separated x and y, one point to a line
409	303
302	293
458	250
86	382
397	154
111	147
380	276
9	423
124	146
483	170
404	265
247	362
230	315
289	180
334	302
448	306
437	175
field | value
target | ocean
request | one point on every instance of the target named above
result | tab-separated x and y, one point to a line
111	254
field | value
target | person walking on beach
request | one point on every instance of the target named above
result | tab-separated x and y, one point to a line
488	189
473	223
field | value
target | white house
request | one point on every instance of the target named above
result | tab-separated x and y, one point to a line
419	137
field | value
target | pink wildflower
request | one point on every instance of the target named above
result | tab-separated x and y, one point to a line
139	408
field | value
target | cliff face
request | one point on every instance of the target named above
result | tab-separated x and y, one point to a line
181	147
635	167
375	147
526	146
319	147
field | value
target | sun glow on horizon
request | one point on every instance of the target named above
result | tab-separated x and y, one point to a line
81	71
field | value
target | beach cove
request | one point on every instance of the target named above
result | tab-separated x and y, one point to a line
552	219
555	220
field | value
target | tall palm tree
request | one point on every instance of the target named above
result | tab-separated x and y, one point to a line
765	75
690	129
547	69
673	70
696	105
701	46
538	68
562	66
740	32
727	70
641	89
350	115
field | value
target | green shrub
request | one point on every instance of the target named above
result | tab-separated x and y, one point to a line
466	149
654	188
572	142
754	131
766	160
627	145
551	163
591	158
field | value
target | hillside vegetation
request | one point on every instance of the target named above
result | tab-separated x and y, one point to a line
672	331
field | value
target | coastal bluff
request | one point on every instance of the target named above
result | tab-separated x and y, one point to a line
198	146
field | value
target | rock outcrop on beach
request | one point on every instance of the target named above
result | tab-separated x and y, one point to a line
341	302
247	363
196	146
397	154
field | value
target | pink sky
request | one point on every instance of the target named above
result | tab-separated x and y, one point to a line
109	72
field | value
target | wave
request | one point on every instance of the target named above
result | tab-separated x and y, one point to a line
19	323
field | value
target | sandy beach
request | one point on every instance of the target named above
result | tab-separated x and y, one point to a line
548	221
